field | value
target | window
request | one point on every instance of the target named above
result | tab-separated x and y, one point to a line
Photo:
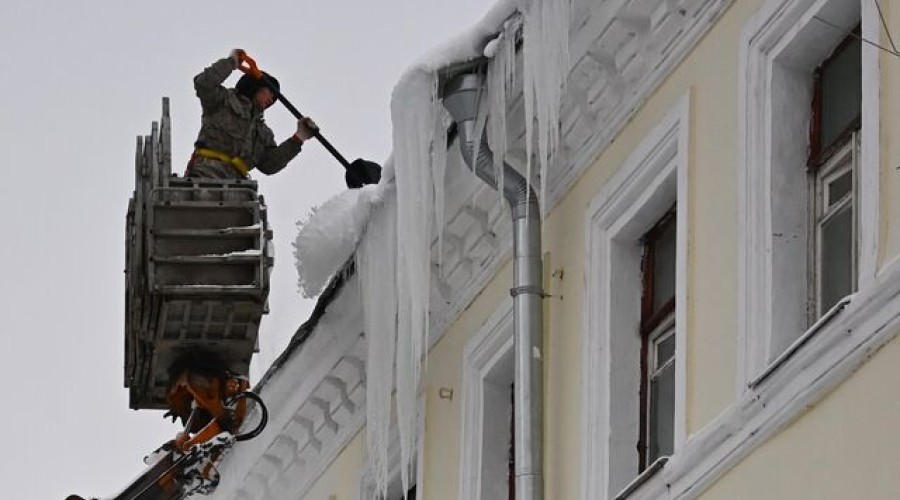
634	381
487	468
809	177
657	330
836	113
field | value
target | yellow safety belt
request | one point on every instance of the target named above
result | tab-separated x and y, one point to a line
235	161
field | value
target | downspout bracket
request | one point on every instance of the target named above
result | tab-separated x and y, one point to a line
527	290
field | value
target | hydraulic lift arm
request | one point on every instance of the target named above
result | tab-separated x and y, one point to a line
213	409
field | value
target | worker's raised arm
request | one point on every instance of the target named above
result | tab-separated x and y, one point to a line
208	84
272	158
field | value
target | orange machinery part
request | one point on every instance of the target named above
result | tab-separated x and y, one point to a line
209	393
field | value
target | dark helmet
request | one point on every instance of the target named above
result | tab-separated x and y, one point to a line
247	85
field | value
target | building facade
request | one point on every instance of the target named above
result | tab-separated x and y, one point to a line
722	289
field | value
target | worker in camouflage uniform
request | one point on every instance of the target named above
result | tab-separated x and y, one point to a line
234	138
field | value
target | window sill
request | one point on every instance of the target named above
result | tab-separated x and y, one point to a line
800	342
645	476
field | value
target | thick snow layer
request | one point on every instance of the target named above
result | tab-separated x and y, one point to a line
468	45
328	236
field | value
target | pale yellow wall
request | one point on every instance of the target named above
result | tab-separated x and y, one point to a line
890	140
341	480
443	417
845	447
712	287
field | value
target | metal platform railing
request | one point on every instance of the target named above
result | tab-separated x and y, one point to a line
198	258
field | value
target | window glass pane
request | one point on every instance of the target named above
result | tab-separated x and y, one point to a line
841	91
665	350
839	187
664	265
662	414
837	257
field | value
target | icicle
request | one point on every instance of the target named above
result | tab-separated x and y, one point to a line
530	67
500	81
546	66
412	112
480	125
376	271
438	169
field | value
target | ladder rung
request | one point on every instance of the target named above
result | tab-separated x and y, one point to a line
232	258
254	290
207	233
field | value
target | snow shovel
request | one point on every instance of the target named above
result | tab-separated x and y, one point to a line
358	173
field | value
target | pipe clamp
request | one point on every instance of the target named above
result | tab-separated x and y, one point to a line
528	289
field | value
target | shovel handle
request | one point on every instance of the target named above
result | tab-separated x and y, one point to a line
251	68
254	71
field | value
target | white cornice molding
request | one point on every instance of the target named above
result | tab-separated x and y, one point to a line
326	374
654	66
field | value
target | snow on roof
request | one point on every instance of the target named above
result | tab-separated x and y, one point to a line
328	237
330	234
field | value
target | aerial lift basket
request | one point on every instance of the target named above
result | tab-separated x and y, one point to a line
197	263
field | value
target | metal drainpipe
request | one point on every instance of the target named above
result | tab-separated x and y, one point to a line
461	94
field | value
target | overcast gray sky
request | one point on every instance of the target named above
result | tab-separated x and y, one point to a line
80	81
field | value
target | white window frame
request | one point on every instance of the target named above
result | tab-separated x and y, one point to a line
484	414
652	179
844	159
663	331
781	46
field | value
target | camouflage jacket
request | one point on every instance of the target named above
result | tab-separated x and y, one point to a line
233	125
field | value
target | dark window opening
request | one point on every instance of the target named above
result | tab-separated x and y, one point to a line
837	100
835	123
658	341
410	494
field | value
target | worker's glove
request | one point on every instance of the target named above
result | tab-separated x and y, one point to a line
237	55
306	128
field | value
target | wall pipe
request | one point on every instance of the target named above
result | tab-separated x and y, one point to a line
460	97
